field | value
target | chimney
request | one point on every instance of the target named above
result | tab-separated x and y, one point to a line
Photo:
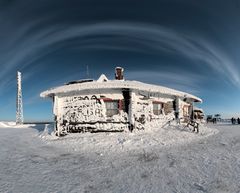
119	73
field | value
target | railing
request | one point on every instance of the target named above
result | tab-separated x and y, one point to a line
194	125
168	123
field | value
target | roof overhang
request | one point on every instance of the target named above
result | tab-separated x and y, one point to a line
116	84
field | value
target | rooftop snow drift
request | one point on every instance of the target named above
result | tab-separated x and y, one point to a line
113	84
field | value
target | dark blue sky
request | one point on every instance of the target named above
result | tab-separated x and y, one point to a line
188	45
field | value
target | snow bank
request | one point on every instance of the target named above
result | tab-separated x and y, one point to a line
48	132
107	142
5	124
101	162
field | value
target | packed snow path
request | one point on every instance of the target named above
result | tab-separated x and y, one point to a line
164	161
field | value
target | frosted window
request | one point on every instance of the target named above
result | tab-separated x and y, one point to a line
111	108
157	108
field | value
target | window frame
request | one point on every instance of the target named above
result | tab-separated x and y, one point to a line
158	111
186	110
114	111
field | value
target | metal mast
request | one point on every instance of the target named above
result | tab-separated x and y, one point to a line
19	104
87	71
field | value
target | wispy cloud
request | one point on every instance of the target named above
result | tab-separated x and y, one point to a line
184	81
138	37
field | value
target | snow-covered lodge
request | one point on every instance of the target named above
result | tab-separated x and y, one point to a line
116	105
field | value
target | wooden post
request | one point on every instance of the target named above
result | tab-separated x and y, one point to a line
131	110
192	110
177	109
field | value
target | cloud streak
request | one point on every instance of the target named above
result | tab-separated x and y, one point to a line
179	80
132	37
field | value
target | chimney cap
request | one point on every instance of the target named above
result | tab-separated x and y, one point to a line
119	73
119	68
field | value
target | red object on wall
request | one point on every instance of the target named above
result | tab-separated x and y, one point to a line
158	102
120	102
107	99
120	105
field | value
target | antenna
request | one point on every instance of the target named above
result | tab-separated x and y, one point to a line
87	71
19	104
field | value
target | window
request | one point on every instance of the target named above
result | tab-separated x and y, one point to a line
168	107
157	108
111	108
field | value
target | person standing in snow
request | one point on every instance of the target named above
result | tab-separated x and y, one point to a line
214	120
232	119
238	120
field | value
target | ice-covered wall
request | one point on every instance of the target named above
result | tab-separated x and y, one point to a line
86	111
82	109
184	108
142	109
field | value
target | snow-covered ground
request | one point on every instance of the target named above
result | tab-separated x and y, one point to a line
157	160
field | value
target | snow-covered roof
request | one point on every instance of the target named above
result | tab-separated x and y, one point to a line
198	109
79	81
117	84
102	78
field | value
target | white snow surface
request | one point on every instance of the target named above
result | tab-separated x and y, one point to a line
167	160
6	124
113	84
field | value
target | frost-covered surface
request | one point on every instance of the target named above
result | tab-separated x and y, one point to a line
86	106
87	111
114	84
155	160
110	142
5	124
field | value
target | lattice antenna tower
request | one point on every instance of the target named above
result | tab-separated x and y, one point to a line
19	104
